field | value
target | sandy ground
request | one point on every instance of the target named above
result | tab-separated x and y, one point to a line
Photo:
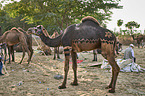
37	78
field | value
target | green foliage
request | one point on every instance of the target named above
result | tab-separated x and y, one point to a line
58	14
119	22
131	25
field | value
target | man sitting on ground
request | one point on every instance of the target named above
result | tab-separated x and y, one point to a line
129	53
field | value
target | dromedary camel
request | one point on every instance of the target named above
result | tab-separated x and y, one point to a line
12	37
85	36
29	42
56	49
140	39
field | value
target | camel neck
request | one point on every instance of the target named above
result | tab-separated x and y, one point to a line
55	42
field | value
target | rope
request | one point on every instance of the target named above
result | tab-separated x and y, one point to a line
38	44
5	70
44	52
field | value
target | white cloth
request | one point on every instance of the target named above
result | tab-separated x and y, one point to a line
125	65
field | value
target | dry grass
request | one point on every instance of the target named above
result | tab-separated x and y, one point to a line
37	79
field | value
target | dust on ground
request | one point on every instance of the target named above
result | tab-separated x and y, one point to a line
37	78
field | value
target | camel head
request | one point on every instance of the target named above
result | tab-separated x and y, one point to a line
31	30
39	30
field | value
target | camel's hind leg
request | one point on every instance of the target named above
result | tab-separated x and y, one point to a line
74	67
55	49
58	57
24	44
115	72
12	52
66	68
22	55
31	51
109	53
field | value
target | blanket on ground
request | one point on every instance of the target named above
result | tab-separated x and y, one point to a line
125	65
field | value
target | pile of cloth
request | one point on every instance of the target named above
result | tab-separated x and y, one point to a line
125	66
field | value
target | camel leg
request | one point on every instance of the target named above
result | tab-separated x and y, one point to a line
115	72
74	67
95	57
9	52
66	68
58	53
108	52
24	44
54	53
12	52
31	50
22	55
28	51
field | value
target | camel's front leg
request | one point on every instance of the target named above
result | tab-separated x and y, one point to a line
66	68
74	67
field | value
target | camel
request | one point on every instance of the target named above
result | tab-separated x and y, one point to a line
140	39
56	49
29	42
12	37
86	36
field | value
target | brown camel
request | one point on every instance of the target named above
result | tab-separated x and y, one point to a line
29	42
85	36
140	39
56	49
12	37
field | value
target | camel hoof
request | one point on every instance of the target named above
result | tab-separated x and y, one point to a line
61	87
111	91
74	84
107	87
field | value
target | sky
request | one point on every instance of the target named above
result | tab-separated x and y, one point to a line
133	10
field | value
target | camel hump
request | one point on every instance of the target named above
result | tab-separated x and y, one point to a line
19	28
91	19
14	28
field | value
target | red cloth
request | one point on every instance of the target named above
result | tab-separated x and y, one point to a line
78	61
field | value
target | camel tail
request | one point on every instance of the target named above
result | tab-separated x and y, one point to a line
114	46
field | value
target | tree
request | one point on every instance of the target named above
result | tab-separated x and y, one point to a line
119	23
131	25
58	14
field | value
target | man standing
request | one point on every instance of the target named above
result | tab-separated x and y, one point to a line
129	53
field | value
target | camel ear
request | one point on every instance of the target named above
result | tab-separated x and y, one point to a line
39	26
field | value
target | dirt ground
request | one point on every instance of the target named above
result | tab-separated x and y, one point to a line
37	78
